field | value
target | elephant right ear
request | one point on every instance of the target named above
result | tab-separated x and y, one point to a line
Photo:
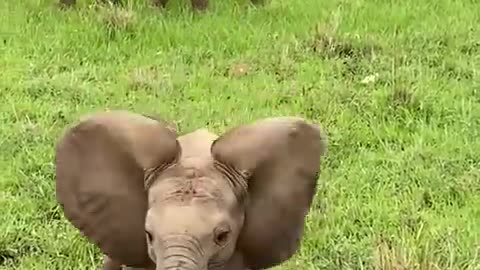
279	158
100	171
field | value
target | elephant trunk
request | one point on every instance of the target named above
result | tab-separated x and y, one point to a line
181	253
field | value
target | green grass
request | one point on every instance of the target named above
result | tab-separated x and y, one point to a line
401	182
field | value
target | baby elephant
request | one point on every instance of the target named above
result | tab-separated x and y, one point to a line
196	4
150	199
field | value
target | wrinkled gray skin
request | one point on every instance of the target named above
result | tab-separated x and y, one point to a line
152	200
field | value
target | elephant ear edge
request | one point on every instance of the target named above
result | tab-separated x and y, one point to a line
281	157
99	165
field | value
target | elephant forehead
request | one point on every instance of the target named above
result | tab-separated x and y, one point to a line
197	143
188	184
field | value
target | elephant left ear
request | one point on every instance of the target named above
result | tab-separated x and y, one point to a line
281	160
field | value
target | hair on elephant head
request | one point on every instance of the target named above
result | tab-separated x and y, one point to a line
150	198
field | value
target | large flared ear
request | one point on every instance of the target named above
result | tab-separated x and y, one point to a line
280	161
101	164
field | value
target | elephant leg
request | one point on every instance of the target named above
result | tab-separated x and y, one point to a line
199	4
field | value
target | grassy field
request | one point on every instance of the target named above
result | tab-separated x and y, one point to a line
395	84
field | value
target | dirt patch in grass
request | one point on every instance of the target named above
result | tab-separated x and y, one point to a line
328	43
151	79
117	21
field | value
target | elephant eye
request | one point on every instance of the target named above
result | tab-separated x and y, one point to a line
221	236
149	236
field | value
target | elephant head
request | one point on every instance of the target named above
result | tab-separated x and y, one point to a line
150	198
